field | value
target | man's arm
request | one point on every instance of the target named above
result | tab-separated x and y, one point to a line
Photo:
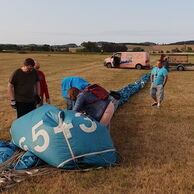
11	93
165	80
79	103
45	89
151	78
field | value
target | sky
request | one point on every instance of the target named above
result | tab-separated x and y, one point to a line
76	21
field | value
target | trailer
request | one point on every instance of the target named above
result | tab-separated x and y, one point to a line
178	61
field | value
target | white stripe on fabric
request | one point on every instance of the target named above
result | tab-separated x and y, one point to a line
71	151
65	135
89	154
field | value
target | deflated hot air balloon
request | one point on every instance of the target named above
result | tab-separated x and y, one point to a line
64	139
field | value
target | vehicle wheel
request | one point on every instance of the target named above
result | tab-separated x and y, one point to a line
180	68
109	65
138	66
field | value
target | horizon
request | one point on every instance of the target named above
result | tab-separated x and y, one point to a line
63	22
138	43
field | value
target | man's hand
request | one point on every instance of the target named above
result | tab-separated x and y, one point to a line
37	99
47	100
13	104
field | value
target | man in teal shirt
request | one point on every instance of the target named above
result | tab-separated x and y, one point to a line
159	77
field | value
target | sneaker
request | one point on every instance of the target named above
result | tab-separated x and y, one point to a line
154	104
158	105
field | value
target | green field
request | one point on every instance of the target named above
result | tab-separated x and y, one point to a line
156	145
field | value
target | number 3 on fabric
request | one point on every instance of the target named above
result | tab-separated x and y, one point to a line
42	133
83	126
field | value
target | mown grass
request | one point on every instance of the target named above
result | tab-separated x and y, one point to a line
156	145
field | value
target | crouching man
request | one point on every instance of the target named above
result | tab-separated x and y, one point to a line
86	102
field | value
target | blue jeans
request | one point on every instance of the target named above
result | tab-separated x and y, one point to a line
70	104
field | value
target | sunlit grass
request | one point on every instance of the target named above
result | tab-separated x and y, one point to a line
155	145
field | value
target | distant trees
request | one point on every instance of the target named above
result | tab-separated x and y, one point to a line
137	49
176	50
105	47
9	47
32	47
113	47
90	47
141	44
183	42
100	47
189	49
44	47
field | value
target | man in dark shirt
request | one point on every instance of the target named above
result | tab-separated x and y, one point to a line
22	87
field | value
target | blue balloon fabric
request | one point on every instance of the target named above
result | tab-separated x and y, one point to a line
64	139
72	81
131	89
7	149
28	160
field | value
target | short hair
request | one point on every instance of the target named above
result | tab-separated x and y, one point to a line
29	62
73	93
159	61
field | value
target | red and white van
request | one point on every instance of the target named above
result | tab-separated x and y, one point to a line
138	60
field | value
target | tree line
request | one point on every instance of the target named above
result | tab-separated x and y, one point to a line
85	47
14	47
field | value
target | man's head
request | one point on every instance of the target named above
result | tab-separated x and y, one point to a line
29	64
37	65
73	93
159	64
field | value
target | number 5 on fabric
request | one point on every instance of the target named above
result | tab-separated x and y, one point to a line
65	139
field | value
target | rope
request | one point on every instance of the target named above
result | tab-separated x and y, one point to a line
10	177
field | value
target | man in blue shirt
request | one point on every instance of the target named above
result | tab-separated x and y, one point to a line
67	83
159	77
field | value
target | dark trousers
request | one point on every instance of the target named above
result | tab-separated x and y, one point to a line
23	108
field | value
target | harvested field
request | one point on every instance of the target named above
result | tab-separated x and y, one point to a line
156	145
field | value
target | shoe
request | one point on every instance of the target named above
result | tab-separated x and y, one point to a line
158	105
154	104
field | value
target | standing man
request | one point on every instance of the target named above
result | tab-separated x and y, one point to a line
22	87
159	77
43	85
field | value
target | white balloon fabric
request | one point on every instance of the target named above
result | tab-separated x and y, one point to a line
64	139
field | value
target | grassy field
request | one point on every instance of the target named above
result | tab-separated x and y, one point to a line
156	145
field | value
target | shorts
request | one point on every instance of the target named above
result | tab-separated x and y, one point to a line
157	91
